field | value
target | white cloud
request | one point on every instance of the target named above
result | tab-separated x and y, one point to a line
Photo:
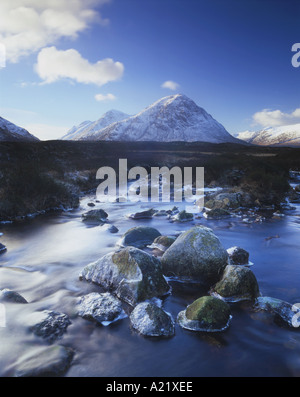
45	131
53	65
274	118
26	26
107	97
171	85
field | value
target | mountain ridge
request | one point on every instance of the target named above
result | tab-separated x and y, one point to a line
11	132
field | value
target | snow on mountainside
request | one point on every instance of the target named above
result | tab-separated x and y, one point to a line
173	118
288	135
88	129
11	132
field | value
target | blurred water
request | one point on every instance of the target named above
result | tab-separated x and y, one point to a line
45	255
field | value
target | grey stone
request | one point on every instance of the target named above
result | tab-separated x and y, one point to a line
139	236
7	295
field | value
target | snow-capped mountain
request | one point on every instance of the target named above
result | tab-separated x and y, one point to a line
90	129
173	118
11	132
288	135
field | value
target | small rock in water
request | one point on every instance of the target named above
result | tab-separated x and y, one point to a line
91	205
150	320
2	248
143	214
284	312
206	314
139	237
238	256
49	325
217	214
47	361
183	216
102	308
7	295
110	228
237	284
95	216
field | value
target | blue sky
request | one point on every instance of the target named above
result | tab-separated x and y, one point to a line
72	60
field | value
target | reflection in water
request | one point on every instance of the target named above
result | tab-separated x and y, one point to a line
45	256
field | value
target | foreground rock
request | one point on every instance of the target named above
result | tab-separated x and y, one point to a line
196	255
284	312
150	320
139	237
7	295
132	274
162	243
49	325
207	314
102	308
95	216
237	284
238	256
44	362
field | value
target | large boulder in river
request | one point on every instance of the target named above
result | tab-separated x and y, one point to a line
139	237
150	320
237	284
132	274
196	255
207	314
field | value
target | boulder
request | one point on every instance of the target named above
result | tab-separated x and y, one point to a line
162	243
101	308
283	312
150	320
238	256
196	255
95	216
43	361
206	314
237	284
7	295
132	274
49	325
139	237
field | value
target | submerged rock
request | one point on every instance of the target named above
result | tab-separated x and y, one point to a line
217	213
206	314
7	295
132	274
95	216
143	214
284	312
183	216
110	228
196	255
2	248
238	256
44	362
162	243
139	236
49	325
102	308
150	320
237	284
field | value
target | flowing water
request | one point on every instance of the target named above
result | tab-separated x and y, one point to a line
45	255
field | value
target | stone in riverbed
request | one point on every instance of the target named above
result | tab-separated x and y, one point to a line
206	314
95	216
132	274
139	237
217	214
284	312
238	256
49	325
143	214
196	255
237	284
7	295
2	248
162	243
102	308
183	216
48	361
150	320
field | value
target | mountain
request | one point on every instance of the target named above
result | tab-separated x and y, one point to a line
173	118
89	129
11	132
288	135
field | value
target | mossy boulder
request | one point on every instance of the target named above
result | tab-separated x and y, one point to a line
237	284
238	256
139	237
206	314
132	274
284	313
95	216
196	255
162	243
7	295
150	320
